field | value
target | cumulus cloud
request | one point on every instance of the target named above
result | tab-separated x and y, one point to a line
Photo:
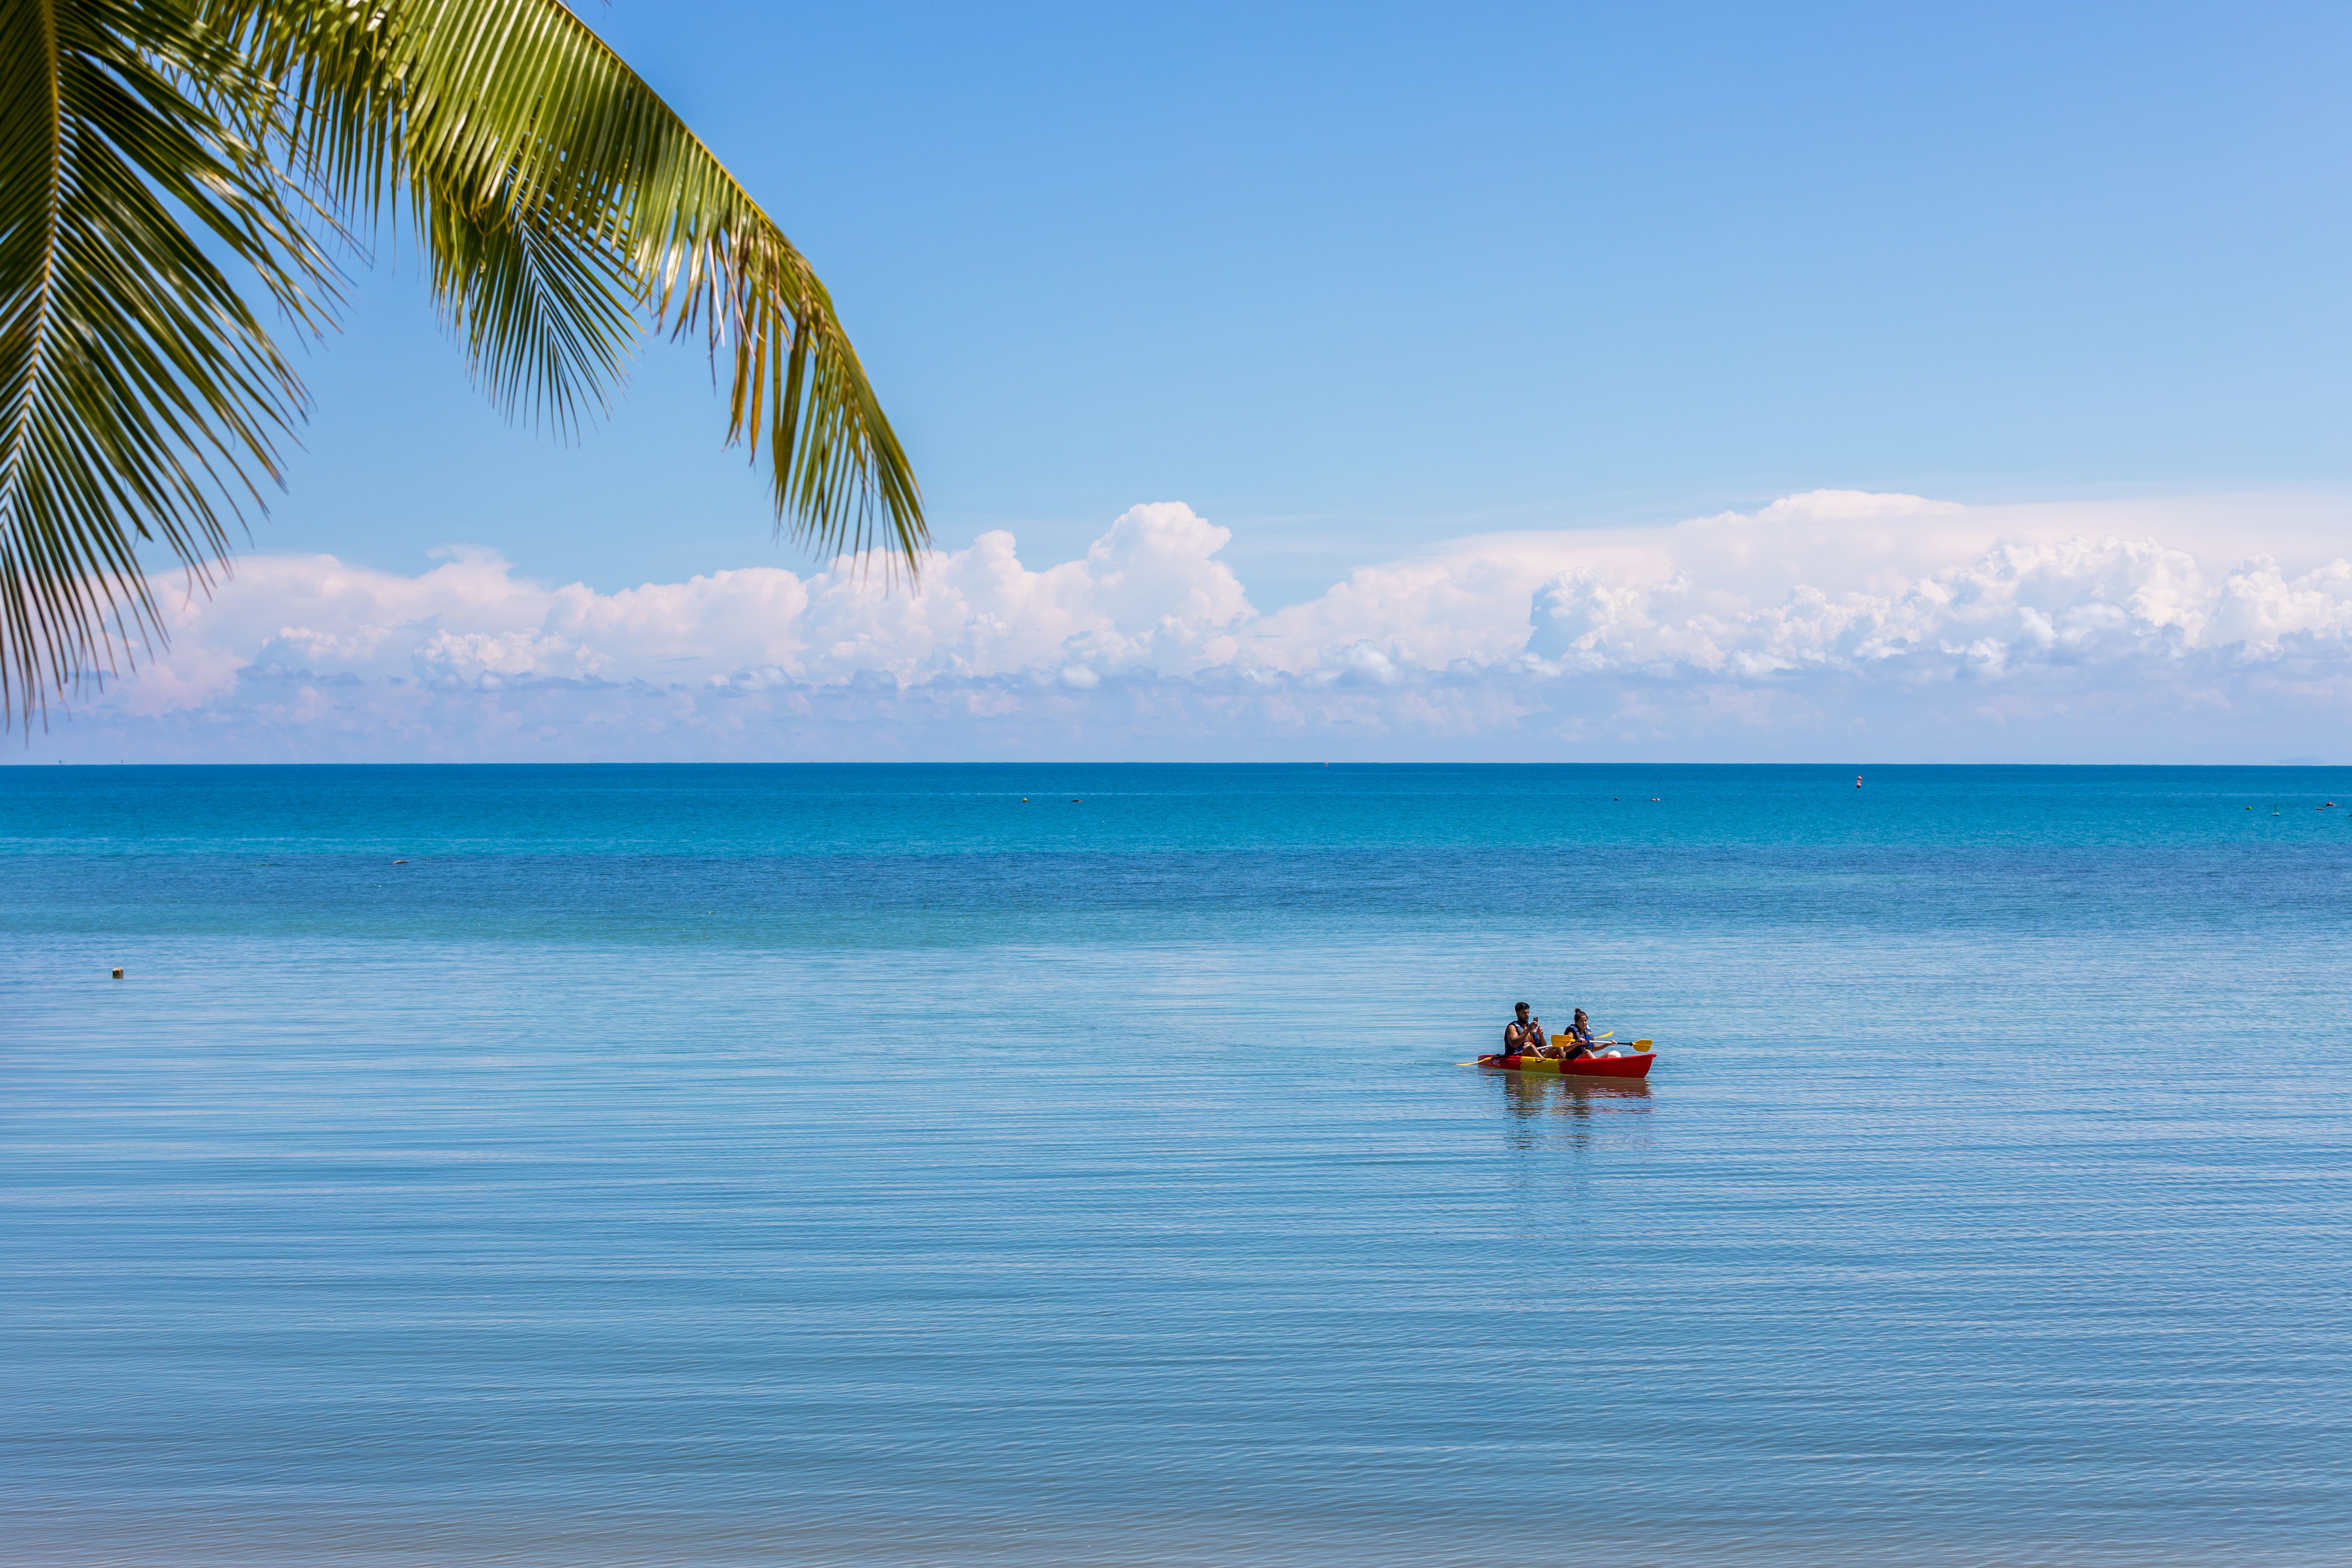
1830	623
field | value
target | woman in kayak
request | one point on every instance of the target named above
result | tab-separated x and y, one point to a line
1579	1038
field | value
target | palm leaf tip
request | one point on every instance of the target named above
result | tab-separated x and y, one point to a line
579	197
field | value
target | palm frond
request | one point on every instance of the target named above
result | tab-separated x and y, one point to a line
518	109
139	394
563	206
546	316
556	194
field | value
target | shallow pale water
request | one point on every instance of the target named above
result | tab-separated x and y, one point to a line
862	1165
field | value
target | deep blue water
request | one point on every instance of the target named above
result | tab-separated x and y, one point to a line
821	1165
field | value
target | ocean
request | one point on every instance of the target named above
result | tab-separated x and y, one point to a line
1072	1164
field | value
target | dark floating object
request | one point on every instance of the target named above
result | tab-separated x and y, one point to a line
117	975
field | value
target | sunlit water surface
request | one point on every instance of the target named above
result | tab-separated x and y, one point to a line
868	1165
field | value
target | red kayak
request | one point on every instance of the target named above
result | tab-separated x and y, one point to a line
1636	1065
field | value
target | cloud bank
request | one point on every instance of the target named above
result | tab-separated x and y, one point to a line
1834	624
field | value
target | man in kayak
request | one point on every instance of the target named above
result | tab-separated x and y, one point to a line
1524	1034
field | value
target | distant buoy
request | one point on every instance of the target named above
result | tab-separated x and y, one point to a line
117	975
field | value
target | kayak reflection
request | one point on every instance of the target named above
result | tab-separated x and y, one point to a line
1534	1094
1569	1113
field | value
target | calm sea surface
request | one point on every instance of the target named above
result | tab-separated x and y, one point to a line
750	1165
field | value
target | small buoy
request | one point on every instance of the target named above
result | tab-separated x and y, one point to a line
1024	800
117	975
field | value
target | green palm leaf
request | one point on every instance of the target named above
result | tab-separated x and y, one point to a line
562	207
139	394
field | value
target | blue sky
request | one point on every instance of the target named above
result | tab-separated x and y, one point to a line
1362	276
1350	283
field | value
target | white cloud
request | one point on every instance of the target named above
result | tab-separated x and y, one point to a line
1833	622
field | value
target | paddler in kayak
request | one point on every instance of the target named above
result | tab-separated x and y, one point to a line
1523	1037
1524	1034
1579	1038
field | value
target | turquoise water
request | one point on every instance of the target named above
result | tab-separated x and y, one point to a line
864	1165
